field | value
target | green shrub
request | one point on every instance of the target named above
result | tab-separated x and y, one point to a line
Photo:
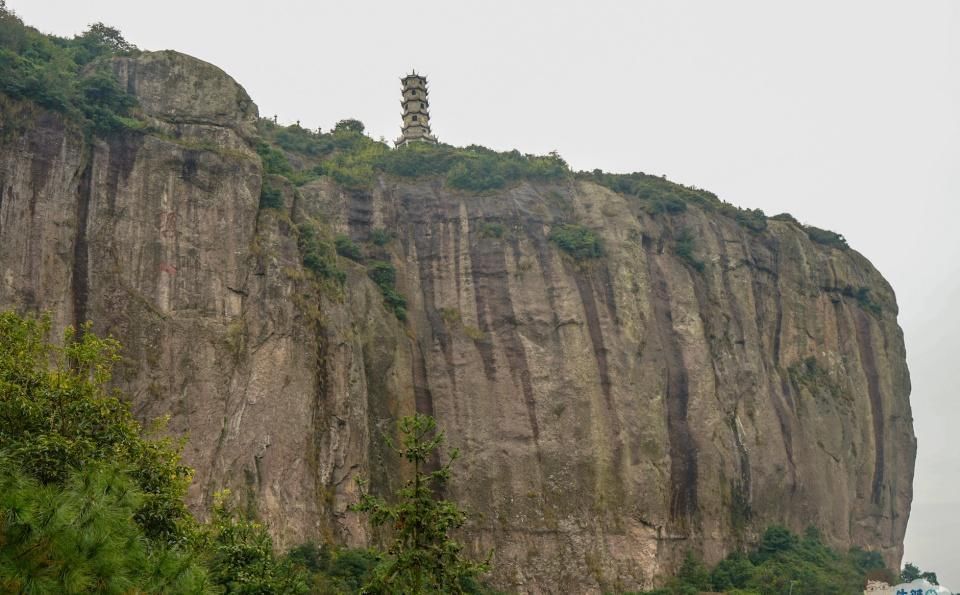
270	196
492	230
318	255
349	125
786	217
576	240
384	275
348	248
273	160
862	295
826	237
241	558
381	237
333	570
684	246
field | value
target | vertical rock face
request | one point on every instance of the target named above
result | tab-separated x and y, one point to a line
613	413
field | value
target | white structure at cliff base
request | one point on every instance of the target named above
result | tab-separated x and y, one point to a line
917	587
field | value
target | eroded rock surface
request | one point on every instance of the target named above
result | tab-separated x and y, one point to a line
612	413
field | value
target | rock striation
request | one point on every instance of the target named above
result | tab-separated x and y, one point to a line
613	412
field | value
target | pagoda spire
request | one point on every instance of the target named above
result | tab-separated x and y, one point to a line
416	111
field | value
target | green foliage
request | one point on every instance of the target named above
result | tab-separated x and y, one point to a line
319	256
479	169
826	237
349	125
660	196
273	160
80	536
241	556
862	295
684	246
270	196
51	71
576	240
57	415
731	572
422	558
811	374
334	570
353	160
911	573
381	237
781	563
491	230
753	219
786	217
384	275
348	248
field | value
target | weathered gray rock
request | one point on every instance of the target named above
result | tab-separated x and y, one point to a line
612	413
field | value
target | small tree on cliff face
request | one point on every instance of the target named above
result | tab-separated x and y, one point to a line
422	557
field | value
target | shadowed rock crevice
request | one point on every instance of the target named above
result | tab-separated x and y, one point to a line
869	363
81	252
496	319
683	458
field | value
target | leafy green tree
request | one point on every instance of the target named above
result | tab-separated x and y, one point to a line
732	572
58	415
422	557
335	571
241	557
349	125
692	572
911	572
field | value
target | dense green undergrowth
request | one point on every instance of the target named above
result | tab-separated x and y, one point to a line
66	75
355	160
782	562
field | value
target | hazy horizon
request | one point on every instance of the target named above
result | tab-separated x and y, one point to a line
844	114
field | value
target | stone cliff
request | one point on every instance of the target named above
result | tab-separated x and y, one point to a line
612	412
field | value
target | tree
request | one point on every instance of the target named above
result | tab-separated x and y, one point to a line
58	415
81	537
911	572
422	557
349	125
241	557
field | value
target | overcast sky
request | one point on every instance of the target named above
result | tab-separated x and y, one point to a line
845	114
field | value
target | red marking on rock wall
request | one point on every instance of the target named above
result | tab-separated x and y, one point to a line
168	224
166	267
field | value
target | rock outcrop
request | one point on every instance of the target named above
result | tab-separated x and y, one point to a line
613	412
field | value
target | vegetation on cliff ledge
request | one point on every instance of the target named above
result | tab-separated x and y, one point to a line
66	75
782	562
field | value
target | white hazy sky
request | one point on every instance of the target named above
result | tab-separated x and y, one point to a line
845	114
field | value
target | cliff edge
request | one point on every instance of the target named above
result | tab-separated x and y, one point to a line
682	388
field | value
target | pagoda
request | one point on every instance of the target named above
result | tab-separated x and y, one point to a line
416	111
